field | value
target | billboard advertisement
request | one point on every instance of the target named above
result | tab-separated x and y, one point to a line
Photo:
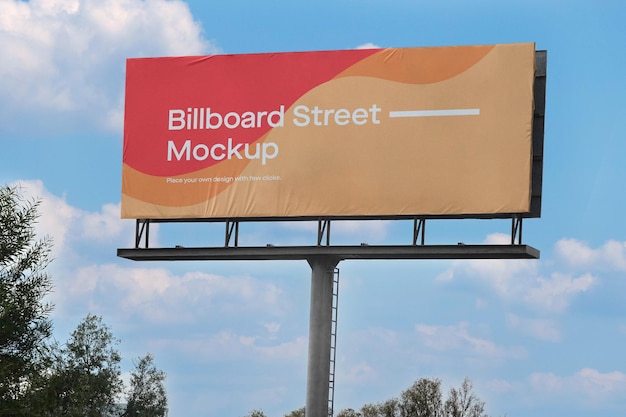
354	133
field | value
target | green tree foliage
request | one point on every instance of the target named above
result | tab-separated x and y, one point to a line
296	413
369	410
147	396
389	408
462	402
24	317
349	412
424	399
43	379
86	378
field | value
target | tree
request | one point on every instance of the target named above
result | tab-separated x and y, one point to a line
24	317
255	413
349	412
39	378
463	402
422	399
147	396
389	408
369	410
86	379
300	412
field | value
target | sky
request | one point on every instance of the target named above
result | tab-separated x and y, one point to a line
537	337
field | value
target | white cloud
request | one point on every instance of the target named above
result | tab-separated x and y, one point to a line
160	296
498	239
590	383
272	329
519	281
293	349
555	294
543	329
574	252
360	373
105	224
56	215
501	386
375	230
368	45
458	337
69	226
67	57
356	231
228	345
502	274
610	256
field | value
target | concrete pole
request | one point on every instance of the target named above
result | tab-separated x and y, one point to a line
320	328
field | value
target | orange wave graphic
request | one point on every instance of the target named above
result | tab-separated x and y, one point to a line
168	191
418	65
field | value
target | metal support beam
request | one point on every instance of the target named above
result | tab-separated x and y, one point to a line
323	227
320	330
419	229
516	230
286	253
142	226
230	227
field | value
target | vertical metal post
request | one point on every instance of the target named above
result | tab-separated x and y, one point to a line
419	226
230	226
142	226
516	229
137	235
323	226
320	329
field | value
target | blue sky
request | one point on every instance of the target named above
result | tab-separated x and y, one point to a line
537	338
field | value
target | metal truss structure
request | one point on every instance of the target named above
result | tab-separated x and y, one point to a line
418	249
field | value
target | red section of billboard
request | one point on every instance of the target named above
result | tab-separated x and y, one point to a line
221	95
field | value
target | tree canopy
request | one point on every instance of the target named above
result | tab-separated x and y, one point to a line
86	377
147	396
39	377
25	322
422	399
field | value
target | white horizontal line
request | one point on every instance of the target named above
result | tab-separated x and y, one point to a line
433	113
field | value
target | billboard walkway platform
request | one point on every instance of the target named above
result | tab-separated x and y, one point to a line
262	253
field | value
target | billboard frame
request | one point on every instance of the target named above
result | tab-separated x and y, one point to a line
231	237
531	208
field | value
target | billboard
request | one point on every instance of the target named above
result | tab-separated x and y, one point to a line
441	131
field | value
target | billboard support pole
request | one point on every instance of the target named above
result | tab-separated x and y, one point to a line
320	329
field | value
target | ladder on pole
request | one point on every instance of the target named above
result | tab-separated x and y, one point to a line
333	344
